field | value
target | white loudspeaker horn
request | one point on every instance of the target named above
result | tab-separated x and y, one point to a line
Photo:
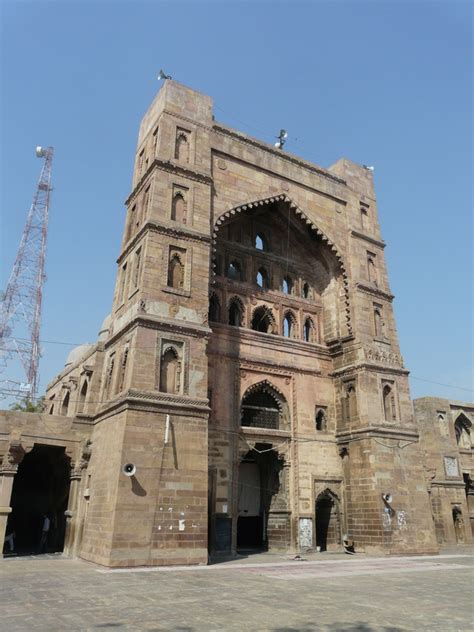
129	469
387	497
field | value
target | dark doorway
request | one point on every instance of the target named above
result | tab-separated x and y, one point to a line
327	522
259	497
40	490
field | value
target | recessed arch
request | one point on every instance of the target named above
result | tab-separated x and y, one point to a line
214	308
236	312
462	428
264	406
258	204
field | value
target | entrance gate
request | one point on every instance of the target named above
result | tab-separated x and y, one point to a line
39	499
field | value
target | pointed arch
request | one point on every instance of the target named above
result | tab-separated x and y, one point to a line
389	407
290	325
309	330
65	404
262	278
261	242
311	225
287	285
263	320
82	396
264	406
236	312
169	371
181	151
462	428
214	308
178	208
327	520
176	272
234	271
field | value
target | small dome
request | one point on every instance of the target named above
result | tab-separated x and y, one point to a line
105	328
77	353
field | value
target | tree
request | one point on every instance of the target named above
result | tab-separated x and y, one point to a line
25	405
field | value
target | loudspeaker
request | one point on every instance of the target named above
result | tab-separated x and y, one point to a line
387	497
129	469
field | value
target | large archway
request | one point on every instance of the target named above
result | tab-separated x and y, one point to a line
297	260
39	499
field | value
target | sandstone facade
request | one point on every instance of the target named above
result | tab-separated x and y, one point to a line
250	369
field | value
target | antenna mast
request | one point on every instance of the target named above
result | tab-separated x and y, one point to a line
20	312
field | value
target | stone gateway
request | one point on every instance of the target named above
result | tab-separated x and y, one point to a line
249	374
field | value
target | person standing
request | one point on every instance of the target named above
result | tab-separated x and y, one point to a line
44	534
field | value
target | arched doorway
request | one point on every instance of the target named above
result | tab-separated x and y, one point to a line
40	491
328	529
261	500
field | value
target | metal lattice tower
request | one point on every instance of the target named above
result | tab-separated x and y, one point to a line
20	315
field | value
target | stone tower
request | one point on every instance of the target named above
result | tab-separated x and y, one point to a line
155	379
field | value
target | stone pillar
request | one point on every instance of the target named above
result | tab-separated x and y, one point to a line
11	460
71	539
71	512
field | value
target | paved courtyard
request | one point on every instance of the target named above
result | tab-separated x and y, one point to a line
333	593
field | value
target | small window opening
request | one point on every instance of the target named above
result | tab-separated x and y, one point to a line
287	285
260	242
234	271
262	278
289	326
308	330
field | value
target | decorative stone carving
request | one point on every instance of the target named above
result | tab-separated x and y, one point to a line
86	454
373	354
13	457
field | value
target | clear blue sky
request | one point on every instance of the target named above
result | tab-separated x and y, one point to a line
383	83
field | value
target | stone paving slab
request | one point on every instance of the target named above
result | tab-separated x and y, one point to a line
347	594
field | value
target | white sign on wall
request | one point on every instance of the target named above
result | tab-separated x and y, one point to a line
451	466
306	532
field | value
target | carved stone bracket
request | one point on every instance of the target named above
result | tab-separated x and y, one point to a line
12	458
